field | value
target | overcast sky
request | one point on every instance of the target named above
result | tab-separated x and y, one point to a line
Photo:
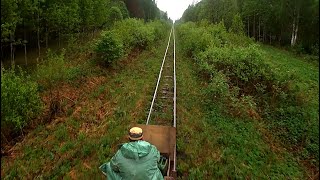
174	8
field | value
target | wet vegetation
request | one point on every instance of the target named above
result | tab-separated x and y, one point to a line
249	89
247	103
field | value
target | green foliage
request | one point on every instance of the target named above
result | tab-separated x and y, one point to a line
52	69
9	18
262	19
63	17
20	101
61	133
100	12
242	83
134	33
237	26
242	74
158	27
124	11
74	73
114	15
194	40
126	35
109	48
243	150
143	9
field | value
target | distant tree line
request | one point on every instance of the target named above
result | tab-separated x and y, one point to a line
283	22
32	23
145	9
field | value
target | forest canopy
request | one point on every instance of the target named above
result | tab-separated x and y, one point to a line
33	23
280	22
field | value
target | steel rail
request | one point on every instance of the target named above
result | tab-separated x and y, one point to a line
174	81
174	97
155	92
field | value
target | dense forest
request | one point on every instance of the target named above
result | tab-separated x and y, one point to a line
33	23
279	22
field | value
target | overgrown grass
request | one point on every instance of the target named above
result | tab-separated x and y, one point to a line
103	107
243	82
304	81
212	145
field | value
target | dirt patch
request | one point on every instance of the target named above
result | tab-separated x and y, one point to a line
72	174
131	57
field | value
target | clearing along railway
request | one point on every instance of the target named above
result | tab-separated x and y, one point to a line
160	127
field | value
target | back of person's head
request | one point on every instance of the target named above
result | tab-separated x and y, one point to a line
135	134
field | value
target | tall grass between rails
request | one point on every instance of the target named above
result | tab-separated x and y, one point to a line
242	82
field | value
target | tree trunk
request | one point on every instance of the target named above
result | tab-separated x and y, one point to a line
263	33
25	53
270	38
254	26
38	33
259	29
24	43
59	38
295	26
14	50
248	27
11	48
47	37
2	52
82	35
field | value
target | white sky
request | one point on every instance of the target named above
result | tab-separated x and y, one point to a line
174	8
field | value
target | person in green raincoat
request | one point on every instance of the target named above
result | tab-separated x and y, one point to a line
136	159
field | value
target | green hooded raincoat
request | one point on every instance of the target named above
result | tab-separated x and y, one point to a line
134	160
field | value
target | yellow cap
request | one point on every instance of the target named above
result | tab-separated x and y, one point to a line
135	133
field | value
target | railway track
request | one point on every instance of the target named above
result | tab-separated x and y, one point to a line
163	106
160	127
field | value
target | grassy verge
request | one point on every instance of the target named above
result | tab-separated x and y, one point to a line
212	145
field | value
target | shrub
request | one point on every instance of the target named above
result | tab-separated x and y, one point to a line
196	41
134	33
126	35
237	26
20	101
73	73
244	67
109	48
51	70
143	37
114	15
158	27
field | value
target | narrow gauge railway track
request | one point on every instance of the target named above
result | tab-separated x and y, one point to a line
160	127
163	106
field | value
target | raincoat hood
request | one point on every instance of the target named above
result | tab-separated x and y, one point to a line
134	161
136	149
